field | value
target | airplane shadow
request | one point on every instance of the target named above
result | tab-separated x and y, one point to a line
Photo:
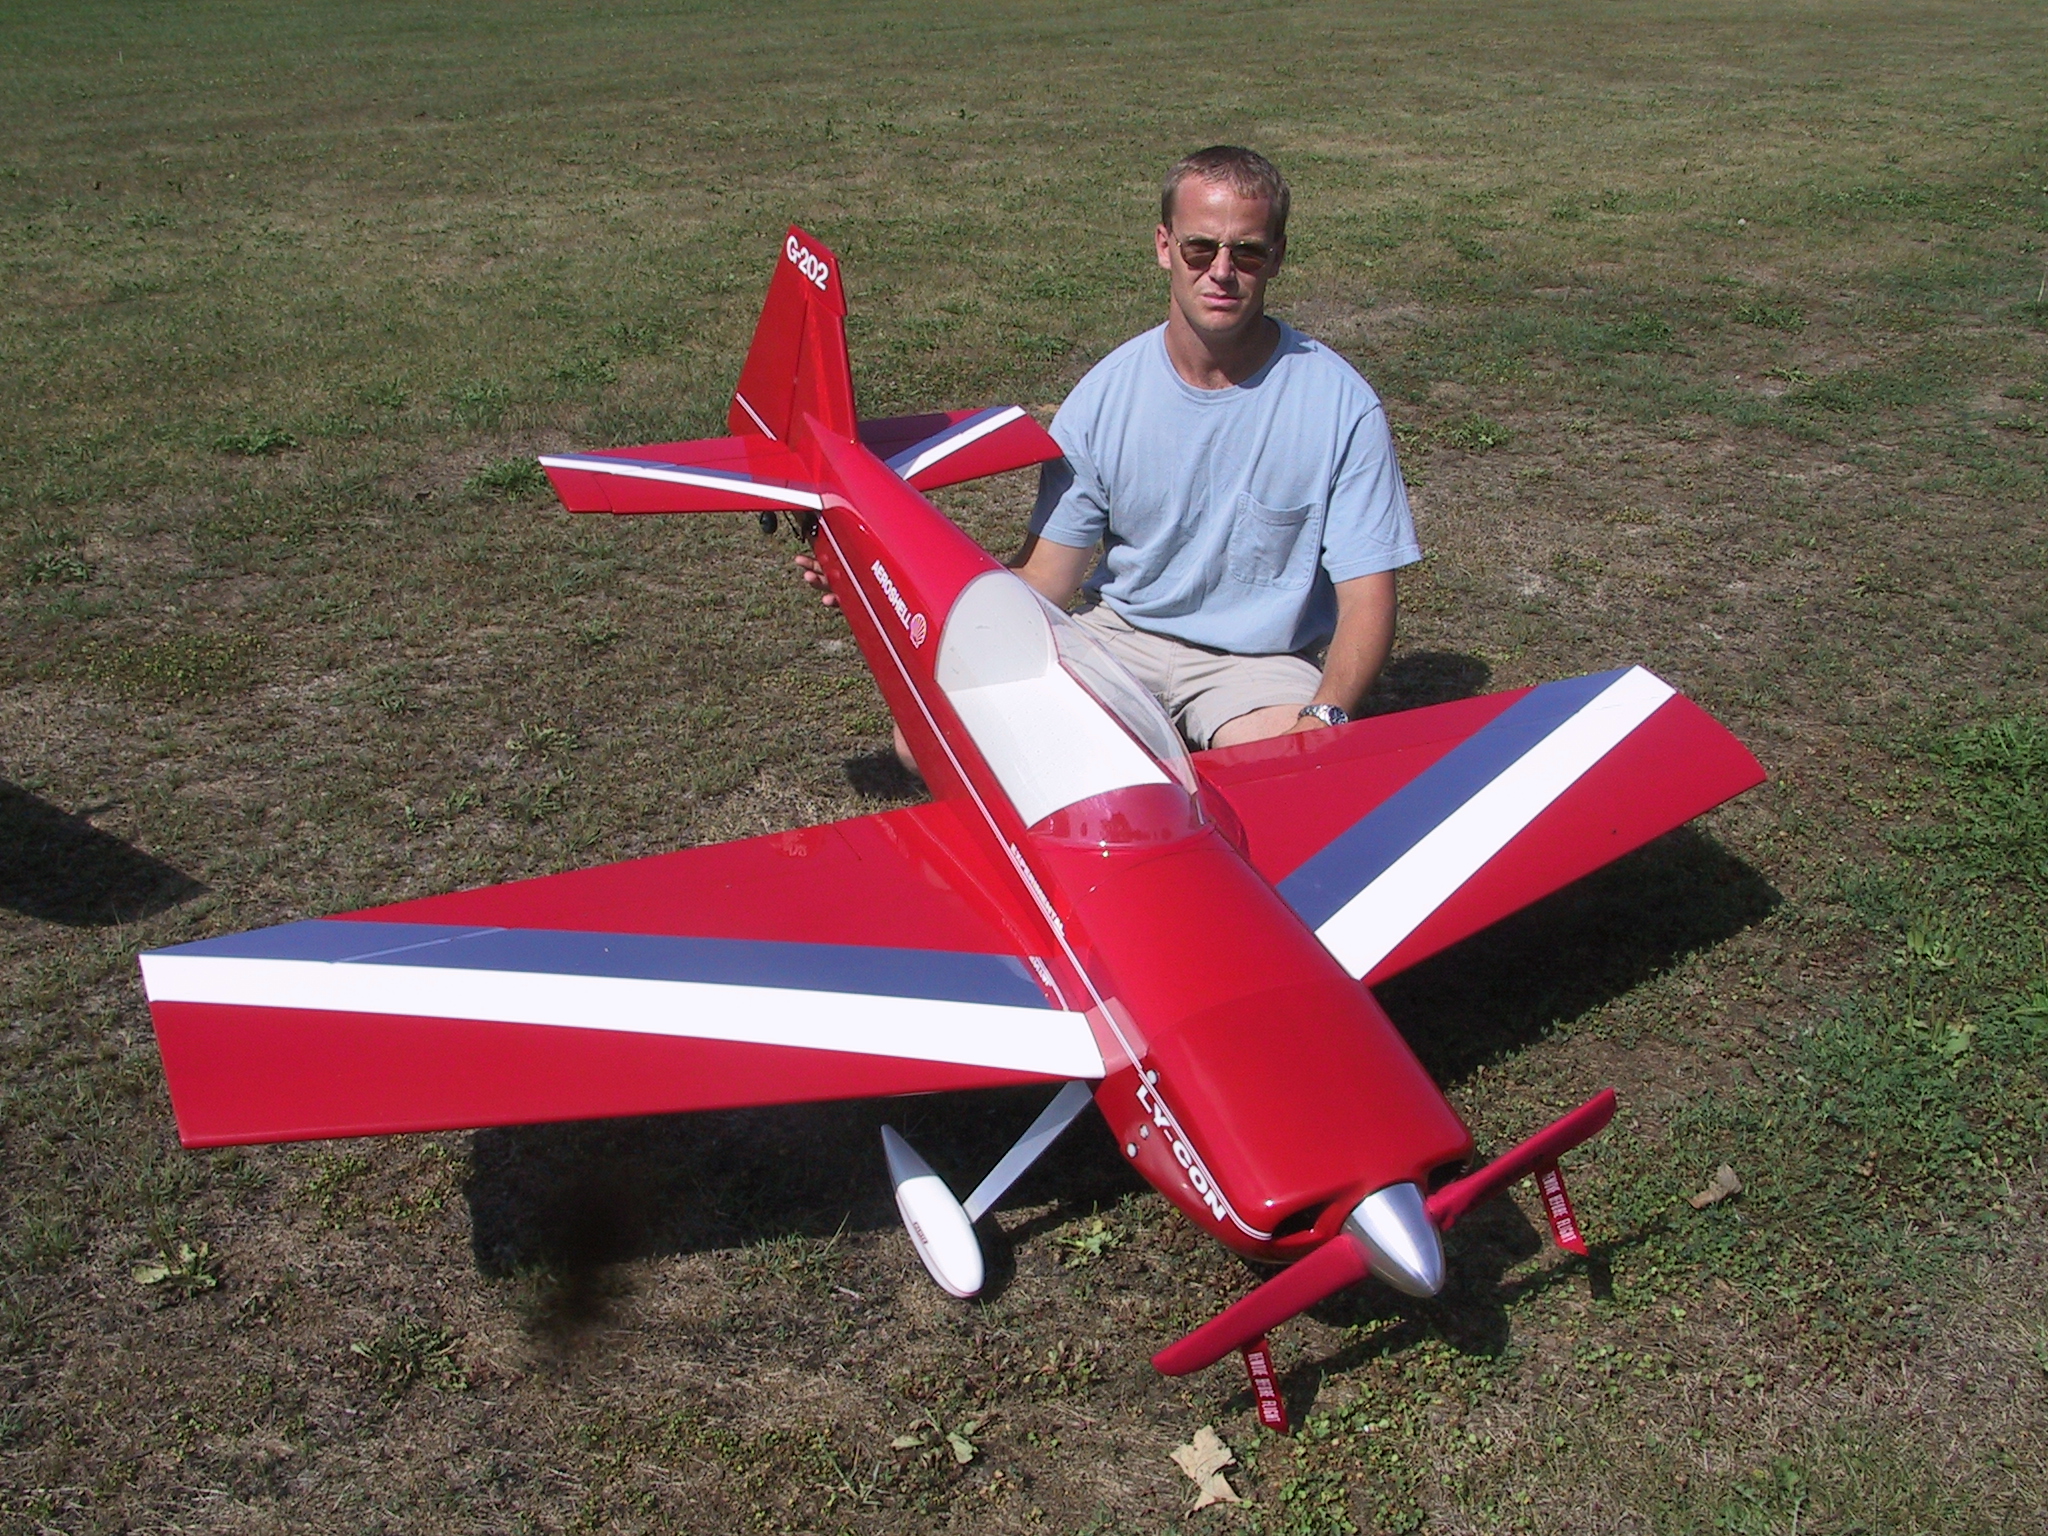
1471	1314
59	868
598	1192
582	1195
1506	986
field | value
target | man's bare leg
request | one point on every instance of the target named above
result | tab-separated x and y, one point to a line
1259	725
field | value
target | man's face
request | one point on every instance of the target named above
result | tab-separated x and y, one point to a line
1219	301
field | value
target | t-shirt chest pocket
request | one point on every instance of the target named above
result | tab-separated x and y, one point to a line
1274	546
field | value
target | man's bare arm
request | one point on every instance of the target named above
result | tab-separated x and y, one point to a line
1055	570
1361	645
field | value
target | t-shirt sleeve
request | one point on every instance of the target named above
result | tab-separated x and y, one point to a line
1073	504
1370	528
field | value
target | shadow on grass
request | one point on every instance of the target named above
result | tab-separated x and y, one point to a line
1418	678
1504	987
575	1198
580	1196
1472	1312
60	868
878	776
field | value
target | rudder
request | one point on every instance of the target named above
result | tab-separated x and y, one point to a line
798	362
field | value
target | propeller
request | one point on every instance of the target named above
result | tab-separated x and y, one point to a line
1392	1233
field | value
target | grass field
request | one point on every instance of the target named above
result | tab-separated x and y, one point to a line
1716	336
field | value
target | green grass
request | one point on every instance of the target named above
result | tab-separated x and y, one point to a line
1713	338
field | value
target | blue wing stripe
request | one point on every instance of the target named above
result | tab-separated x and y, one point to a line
1350	862
939	975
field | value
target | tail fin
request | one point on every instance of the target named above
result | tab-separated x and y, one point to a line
798	363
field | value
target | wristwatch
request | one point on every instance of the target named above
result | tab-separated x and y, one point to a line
1329	714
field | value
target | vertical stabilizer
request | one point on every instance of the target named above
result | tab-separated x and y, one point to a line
798	363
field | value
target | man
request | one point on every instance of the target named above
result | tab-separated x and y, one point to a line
1238	479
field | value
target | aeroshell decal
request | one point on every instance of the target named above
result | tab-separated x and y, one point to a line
913	622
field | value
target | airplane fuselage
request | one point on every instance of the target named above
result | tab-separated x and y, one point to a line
1250	1079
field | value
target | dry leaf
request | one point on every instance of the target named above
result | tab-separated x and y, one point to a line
1204	1461
1723	1184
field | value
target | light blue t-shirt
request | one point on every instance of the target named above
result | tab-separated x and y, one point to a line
1226	514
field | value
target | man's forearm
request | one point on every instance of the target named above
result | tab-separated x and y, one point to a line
1362	643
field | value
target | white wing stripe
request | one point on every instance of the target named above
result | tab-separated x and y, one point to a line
1367	928
1057	1043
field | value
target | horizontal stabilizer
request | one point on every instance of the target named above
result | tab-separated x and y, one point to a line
947	447
713	474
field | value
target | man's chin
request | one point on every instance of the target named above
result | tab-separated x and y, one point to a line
1226	325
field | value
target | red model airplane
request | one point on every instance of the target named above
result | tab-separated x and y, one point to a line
1188	941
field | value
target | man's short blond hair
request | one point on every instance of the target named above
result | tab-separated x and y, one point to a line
1245	171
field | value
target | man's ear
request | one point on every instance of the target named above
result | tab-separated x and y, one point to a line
1162	243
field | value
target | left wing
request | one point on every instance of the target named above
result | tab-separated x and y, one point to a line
872	956
1398	835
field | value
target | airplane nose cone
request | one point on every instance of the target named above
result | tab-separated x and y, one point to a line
1400	1239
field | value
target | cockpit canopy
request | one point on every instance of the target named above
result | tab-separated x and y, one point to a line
1060	721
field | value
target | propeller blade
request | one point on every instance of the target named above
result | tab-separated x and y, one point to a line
1342	1261
1560	1136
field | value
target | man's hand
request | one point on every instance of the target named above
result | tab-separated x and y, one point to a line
814	576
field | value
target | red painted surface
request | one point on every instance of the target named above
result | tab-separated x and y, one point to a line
288	1074
1540	1150
1339	1263
1286	1079
906	879
1294	794
1676	765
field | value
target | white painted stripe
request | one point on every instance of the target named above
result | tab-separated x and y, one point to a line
1057	1043
759	490
747	406
1368	927
940	452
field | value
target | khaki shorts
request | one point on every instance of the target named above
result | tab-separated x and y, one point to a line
1201	688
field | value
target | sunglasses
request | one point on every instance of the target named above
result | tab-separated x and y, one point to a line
1247	256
